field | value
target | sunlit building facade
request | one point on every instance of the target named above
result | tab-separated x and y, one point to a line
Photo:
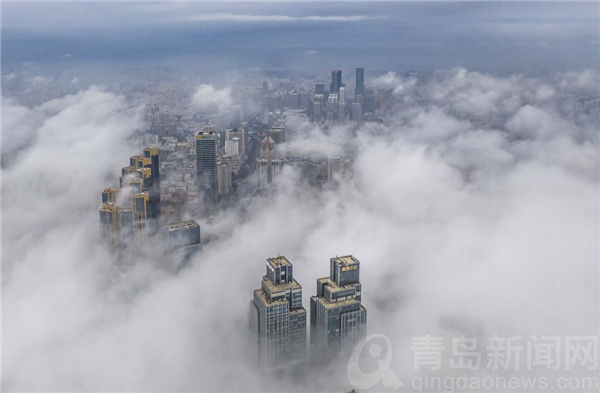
277	316
337	318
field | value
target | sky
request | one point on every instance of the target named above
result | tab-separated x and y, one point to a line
461	228
207	36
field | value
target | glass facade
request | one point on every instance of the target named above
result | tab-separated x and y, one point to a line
206	169
277	316
337	318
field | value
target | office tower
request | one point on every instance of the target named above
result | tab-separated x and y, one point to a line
237	133
360	82
320	88
303	101
278	318
206	170
184	241
368	103
341	111
332	106
265	87
356	111
342	95
278	134
337	166
224	170
337	318
336	81
292	100
317	110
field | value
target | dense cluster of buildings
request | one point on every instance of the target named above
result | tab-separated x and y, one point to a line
125	211
130	214
323	103
279	321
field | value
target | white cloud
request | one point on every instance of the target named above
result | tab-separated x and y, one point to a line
211	100
460	230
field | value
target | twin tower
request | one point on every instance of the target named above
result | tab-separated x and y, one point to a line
278	319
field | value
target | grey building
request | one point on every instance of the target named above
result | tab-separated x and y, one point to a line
360	82
184	241
278	318
206	170
336	81
337	318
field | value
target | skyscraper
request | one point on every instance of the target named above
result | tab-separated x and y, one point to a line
277	316
184	241
277	133
360	82
336	81
224	170
337	318
125	212
206	170
237	133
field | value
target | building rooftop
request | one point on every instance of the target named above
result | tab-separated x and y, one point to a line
201	134
273	288
345	260
337	304
278	261
182	225
262	296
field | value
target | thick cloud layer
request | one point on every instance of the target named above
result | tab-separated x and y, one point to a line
461	228
211	100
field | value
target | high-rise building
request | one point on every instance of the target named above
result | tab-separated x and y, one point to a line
336	81
337	166
356	111
360	82
237	133
206	170
125	212
184	241
153	182
267	169
277	316
278	134
320	88
337	318
224	171
232	147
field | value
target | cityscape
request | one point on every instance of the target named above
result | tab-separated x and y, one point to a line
209	196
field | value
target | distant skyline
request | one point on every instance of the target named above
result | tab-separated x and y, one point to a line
203	37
